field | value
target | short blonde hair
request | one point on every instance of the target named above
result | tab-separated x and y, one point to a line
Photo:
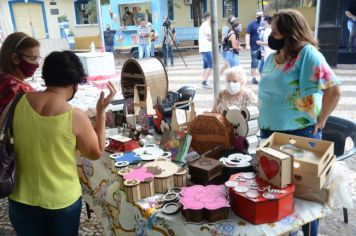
237	71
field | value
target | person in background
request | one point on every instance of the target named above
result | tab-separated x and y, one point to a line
233	42
169	33
251	38
235	93
266	51
298	90
143	44
19	59
127	18
225	30
152	38
351	23
205	48
109	39
48	132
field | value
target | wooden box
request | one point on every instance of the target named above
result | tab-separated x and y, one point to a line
204	169
313	155
201	203
312	194
274	166
118	143
210	130
316	182
260	209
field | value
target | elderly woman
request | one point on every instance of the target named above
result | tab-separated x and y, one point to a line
235	93
19	59
48	132
298	90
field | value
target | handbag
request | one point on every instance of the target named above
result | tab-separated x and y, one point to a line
7	152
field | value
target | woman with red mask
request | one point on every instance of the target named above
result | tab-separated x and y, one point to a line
19	59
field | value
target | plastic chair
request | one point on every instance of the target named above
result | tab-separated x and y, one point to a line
187	92
337	130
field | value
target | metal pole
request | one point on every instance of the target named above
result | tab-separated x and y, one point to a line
101	32
317	15
215	44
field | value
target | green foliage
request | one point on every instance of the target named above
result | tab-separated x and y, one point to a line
91	12
62	18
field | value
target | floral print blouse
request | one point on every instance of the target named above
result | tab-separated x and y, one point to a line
290	94
243	99
9	87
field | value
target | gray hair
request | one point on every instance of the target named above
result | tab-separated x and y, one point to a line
237	71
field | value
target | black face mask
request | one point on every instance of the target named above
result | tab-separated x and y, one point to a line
259	18
275	44
74	91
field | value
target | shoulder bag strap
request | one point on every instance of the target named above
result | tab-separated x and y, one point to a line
10	116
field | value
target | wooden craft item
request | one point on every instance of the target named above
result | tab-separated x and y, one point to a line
242	125
188	116
121	174
130	157
132	189
313	164
180	177
147	188
312	194
146	104
163	172
201	203
149	153
250	112
150	72
204	169
119	143
210	130
316	182
275	167
257	202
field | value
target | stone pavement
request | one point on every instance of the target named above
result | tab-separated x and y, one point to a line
179	76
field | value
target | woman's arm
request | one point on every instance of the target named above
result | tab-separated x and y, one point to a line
330	100
91	141
235	42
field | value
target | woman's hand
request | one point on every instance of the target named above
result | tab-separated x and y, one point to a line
319	125
104	102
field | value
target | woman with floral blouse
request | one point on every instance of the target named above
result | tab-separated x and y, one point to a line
19	59
298	90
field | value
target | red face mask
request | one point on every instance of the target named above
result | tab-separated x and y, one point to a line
27	69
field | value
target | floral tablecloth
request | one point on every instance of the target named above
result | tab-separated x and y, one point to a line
101	191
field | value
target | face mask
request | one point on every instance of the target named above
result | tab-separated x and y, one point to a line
27	69
233	87
74	91
275	44
238	29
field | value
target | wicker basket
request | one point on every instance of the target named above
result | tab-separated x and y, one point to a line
210	130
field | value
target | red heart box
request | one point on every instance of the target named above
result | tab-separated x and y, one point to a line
269	167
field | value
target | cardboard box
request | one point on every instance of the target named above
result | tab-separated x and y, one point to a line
316	182
274	167
319	152
261	210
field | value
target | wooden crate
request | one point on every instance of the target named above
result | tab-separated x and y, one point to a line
210	130
316	182
313	164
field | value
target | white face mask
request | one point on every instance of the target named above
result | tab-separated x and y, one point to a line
233	87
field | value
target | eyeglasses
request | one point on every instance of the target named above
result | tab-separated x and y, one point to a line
33	59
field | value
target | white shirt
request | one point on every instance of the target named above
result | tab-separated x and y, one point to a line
205	37
267	50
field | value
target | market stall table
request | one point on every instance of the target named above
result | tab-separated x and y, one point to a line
101	191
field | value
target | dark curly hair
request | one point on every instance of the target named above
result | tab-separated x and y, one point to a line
62	69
